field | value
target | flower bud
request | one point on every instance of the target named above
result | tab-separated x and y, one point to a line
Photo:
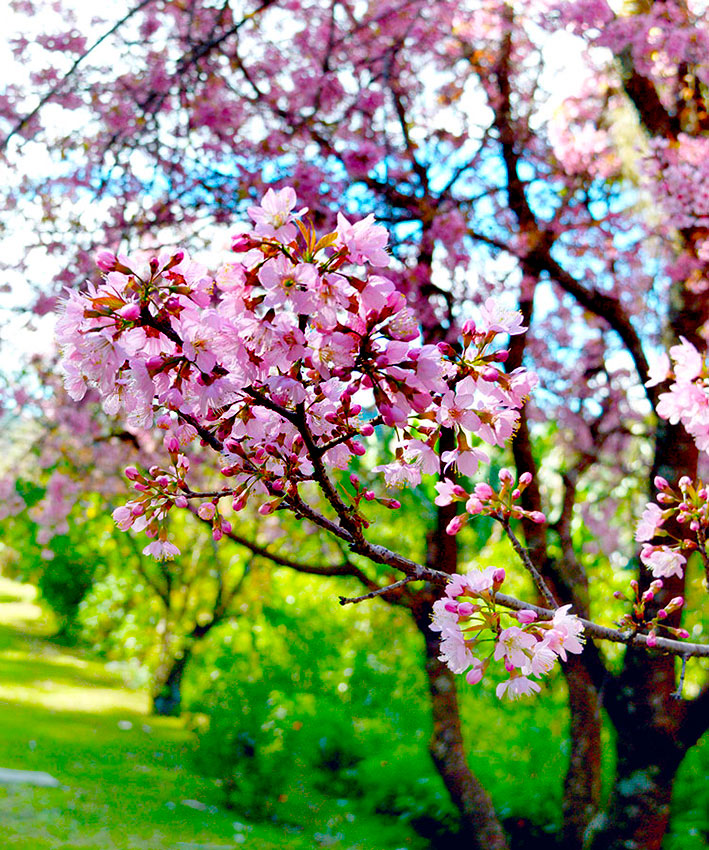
484	491
525	479
498	577
172	444
240	242
357	449
206	511
130	312
465	609
472	677
537	516
505	476
366	430
474	506
132	473
106	261
526	616
661	483
651	639
455	524
180	502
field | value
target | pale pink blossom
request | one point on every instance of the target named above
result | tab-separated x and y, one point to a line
274	215
364	240
662	561
649	523
659	370
513	645
566	633
516	687
161	550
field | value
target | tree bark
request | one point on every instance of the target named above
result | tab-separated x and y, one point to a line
640	702
167	690
582	783
639	812
480	824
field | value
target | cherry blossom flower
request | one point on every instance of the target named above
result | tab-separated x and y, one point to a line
364	240
274	216
651	520
662	561
516	687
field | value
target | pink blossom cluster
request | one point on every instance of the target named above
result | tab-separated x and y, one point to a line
687	400
660	37
469	621
678	173
485	501
284	362
688	505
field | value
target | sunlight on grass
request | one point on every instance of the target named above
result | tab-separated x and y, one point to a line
126	779
33	672
20	611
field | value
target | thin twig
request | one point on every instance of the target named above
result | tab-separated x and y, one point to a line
527	561
678	693
672	647
344	600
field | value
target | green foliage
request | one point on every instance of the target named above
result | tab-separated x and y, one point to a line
244	744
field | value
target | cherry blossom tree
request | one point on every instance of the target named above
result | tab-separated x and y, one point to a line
584	212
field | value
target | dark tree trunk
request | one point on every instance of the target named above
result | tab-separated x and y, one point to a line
650	749
479	822
582	783
167	691
638	816
647	718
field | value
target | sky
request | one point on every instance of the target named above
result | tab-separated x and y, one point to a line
17	337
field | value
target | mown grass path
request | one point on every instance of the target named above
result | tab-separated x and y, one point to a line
125	776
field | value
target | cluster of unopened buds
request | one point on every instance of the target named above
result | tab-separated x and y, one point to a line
160	490
473	635
643	618
688	505
501	504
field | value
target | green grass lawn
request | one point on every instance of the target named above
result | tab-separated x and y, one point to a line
126	779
